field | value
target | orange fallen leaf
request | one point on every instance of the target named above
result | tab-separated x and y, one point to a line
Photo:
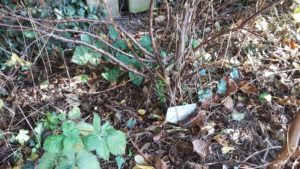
219	138
247	87
198	120
291	43
289	101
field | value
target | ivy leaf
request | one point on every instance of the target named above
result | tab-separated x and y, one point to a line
54	143
23	136
131	122
234	74
222	87
136	79
120	43
136	63
81	55
296	14
70	10
163	54
29	34
195	43
204	94
146	42
86	38
39	130
87	160
81	12
111	75
70	129
81	78
52	121
113	34
116	141
97	123
15	60
103	150
47	161
265	97
237	116
202	72
123	58
74	113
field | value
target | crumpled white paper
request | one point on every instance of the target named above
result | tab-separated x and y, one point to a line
178	113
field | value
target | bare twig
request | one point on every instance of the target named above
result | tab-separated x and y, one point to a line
67	20
78	42
168	21
182	35
154	46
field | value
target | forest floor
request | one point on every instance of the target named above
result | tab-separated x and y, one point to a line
244	125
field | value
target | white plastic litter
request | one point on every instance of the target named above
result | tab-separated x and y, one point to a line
178	113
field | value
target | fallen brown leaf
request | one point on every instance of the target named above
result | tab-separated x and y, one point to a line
201	148
222	141
160	164
198	120
231	86
228	103
247	88
291	43
289	101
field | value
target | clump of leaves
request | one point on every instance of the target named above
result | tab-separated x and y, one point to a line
73	143
113	74
160	90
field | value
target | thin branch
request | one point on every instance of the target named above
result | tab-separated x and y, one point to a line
67	20
90	34
124	37
78	42
154	46
182	35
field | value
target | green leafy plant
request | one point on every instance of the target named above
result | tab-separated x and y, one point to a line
78	144
160	90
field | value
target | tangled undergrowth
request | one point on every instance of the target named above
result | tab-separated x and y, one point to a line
67	68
